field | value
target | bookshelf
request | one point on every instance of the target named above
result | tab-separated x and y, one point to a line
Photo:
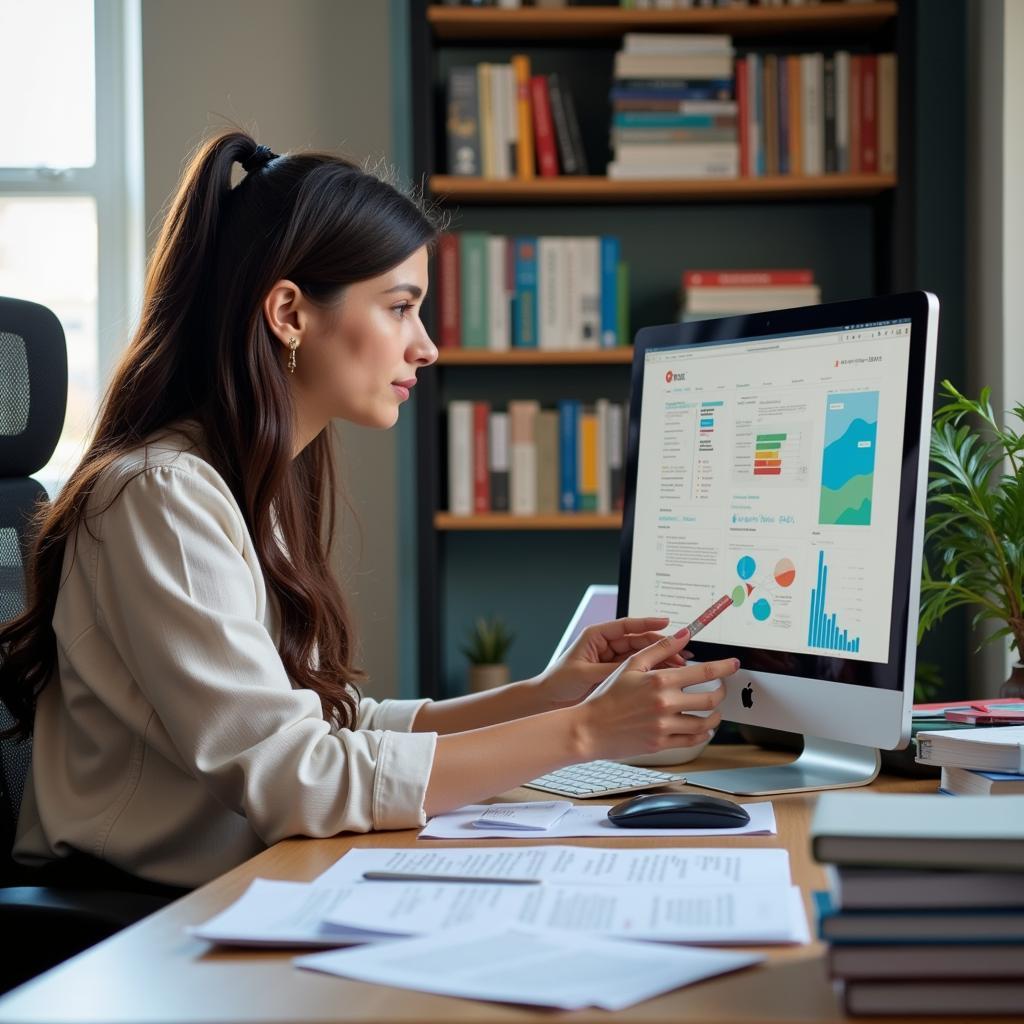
531	570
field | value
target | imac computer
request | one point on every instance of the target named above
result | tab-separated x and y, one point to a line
781	460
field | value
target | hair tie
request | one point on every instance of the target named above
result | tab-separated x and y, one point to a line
259	157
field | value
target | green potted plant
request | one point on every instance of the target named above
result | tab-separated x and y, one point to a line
487	646
975	526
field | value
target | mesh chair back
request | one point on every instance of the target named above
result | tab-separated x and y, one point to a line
33	398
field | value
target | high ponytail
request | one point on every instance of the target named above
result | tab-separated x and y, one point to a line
202	352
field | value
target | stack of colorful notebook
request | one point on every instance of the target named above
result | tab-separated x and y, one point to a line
924	910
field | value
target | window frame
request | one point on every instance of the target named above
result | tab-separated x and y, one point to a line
115	182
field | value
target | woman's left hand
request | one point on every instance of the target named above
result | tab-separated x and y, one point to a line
596	653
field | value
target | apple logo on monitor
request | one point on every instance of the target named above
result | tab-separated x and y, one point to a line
747	696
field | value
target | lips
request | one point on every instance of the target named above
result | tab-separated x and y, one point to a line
410	382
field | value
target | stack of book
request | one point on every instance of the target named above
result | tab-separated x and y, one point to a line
924	912
532	461
673	110
713	293
986	760
816	113
553	293
505	122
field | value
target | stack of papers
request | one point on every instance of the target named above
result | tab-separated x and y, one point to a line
476	822
516	965
671	895
500	819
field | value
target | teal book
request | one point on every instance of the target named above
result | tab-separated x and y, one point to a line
475	312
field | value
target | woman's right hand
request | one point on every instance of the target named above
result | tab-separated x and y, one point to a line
642	708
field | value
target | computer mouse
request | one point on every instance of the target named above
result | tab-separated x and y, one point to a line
677	810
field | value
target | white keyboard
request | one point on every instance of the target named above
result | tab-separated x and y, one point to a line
601	778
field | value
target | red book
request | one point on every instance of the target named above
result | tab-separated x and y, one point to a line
869	113
481	468
743	115
449	315
745	278
543	127
856	67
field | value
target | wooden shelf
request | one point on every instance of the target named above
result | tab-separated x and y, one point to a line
533	357
595	189
506	521
457	24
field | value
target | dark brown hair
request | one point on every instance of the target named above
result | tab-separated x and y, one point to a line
203	352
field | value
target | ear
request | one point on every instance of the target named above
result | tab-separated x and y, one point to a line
286	311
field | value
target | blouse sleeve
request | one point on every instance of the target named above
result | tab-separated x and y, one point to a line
178	598
398	715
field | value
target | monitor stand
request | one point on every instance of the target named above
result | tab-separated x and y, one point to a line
823	764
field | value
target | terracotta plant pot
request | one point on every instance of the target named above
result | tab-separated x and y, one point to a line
487	677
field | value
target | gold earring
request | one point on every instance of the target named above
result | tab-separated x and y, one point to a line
293	344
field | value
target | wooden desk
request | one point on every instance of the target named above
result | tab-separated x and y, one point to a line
153	972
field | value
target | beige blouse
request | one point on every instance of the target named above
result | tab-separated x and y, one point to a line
172	743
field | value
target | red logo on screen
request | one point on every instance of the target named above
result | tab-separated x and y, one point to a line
668	377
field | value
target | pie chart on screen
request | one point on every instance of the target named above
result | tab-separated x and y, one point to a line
785	572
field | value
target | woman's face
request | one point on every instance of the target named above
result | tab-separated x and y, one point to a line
357	360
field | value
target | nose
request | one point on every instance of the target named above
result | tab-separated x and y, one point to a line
423	351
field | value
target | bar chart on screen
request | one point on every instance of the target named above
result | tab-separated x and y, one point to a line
825	629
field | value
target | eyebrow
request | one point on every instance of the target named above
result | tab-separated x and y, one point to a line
413	289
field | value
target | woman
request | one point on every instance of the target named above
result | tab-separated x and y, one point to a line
185	659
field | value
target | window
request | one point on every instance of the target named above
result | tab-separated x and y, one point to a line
71	184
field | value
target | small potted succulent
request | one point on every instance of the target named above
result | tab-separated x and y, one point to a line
975	525
487	646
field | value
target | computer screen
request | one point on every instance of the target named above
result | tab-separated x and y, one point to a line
781	460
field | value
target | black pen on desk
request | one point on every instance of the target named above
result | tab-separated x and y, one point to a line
415	876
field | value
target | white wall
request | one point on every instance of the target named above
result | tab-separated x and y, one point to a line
297	74
995	285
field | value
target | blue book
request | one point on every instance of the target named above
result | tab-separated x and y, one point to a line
920	927
755	85
701	89
568	441
524	303
610	292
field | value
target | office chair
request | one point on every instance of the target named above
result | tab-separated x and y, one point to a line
42	924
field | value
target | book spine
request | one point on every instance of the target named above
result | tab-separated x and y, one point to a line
746	278
586	465
842	59
616	453
602	409
486	107
552	282
829	101
543	130
812	106
887	113
782	87
566	157
523	471
743	116
575	133
524	117
569	294
796	144
460	458
525	307
869	114
568	417
481	468
588	256
473	264
754	79
625	338
609	292
449	314
499	330
770	83
856	64
463	122
499	461
511	119
547	461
